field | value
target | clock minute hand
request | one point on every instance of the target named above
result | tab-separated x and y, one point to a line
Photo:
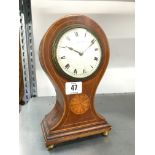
92	42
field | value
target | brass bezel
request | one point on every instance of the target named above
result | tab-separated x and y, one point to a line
54	58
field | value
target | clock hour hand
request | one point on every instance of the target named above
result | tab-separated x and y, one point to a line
70	48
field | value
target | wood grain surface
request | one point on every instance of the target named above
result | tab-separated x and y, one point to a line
74	116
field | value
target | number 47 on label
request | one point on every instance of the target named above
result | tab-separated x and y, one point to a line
73	88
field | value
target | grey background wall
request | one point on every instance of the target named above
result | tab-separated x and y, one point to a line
116	19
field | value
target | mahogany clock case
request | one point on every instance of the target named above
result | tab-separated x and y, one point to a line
67	121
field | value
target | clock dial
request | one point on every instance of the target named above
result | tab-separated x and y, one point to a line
78	52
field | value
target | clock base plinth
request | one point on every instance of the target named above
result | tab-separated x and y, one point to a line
71	134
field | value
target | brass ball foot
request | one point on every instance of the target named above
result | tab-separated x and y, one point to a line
105	133
50	147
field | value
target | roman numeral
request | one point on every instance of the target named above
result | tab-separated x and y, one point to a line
68	38
84	71
63	57
67	66
91	66
96	49
75	71
95	58
85	34
62	46
93	41
76	34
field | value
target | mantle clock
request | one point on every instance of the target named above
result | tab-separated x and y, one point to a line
74	53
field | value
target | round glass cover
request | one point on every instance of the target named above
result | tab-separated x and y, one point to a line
78	52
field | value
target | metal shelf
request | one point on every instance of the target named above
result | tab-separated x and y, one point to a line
27	52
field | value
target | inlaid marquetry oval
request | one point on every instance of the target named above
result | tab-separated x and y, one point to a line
79	104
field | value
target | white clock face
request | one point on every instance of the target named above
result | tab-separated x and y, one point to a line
78	53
